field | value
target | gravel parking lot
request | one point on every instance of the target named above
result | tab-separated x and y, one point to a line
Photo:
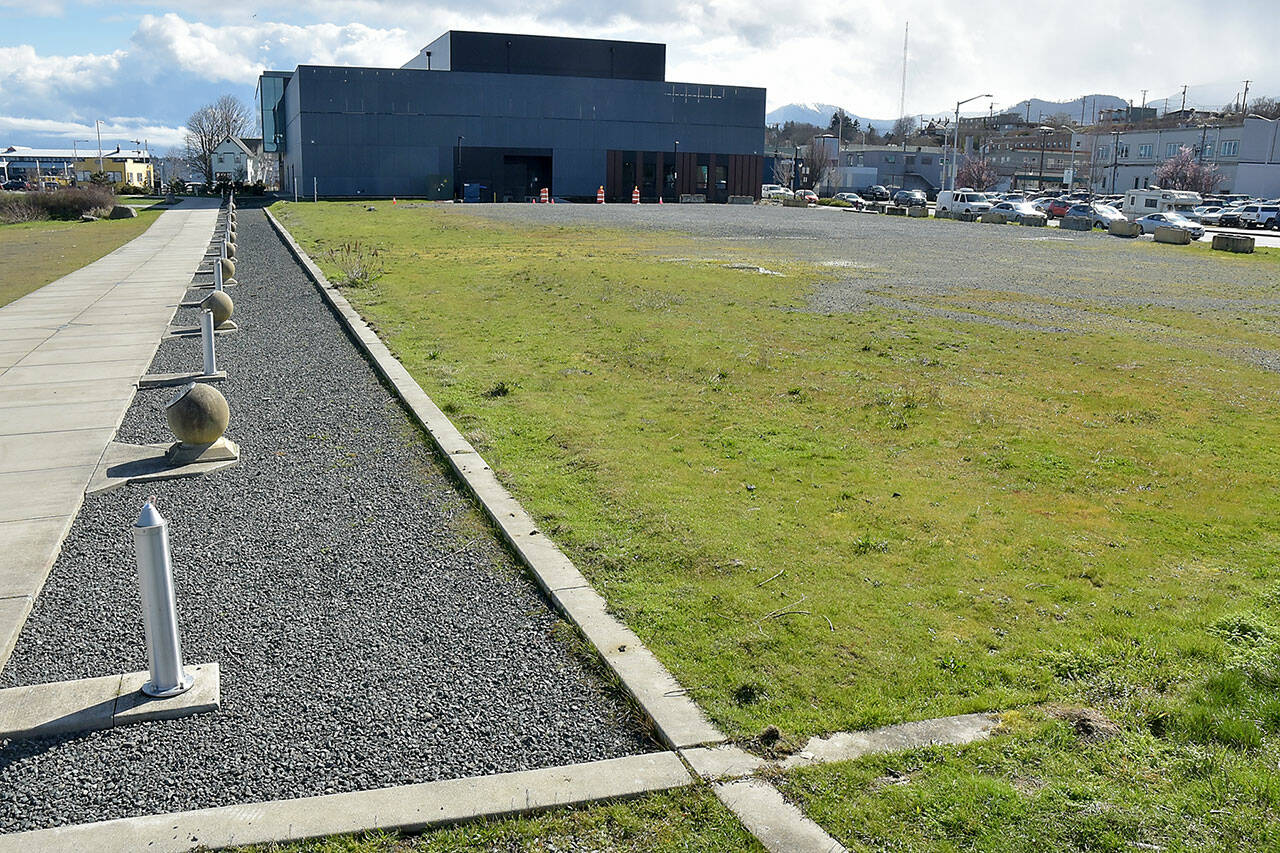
370	628
1033	279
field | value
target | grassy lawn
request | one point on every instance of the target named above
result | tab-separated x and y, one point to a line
833	521
32	254
689	820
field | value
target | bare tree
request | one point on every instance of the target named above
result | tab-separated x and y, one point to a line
903	128
1265	107
784	169
209	126
977	172
1183	172
817	163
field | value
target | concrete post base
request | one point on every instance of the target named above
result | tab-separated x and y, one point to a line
194	331
139	463
221	450
165	380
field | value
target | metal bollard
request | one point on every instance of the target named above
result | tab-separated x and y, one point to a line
159	613
217	274
206	335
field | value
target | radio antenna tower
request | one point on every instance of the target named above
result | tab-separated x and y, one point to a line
902	96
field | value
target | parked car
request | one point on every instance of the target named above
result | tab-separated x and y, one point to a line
1149	223
1057	207
876	193
1015	210
1099	215
963	200
1229	217
1199	213
776	191
1260	216
910	198
15	185
852	198
808	195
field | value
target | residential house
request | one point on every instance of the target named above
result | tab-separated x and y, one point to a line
238	158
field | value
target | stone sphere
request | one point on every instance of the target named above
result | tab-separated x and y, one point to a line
231	250
198	414
228	268
231	229
220	304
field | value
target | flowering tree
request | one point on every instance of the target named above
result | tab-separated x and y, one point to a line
784	168
977	172
1183	172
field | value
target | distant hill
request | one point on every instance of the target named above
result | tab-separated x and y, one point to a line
820	114
1089	106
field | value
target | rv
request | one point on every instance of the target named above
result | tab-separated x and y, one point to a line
1139	203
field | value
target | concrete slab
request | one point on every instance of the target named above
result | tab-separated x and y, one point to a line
92	704
134	706
44	451
407	808
41	494
87	704
92	355
61	417
43	374
27	551
71	393
140	463
13	613
166	380
724	762
779	826
846	746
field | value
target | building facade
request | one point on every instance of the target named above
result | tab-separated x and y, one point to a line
46	167
238	159
498	117
1126	159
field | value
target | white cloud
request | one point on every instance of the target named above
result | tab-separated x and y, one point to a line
113	129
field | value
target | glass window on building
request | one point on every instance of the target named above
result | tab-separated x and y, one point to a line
1145	150
1170	149
891	158
1104	151
702	178
1123	148
1208	149
1230	147
722	178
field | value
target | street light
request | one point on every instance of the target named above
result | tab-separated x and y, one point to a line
955	148
675	170
457	182
97	125
1115	157
1044	137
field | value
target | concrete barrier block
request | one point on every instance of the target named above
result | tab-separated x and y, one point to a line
741	199
693	198
794	202
1233	243
1039	220
966	217
895	210
1173	236
942	214
993	218
1077	223
1123	228
918	212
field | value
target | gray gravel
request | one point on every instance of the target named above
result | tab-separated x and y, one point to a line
1029	279
370	628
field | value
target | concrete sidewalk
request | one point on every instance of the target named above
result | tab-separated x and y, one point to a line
71	354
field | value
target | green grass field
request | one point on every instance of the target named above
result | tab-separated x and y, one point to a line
32	254
828	522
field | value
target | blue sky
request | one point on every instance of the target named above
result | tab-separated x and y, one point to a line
144	67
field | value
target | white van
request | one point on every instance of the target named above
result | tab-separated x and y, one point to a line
963	200
1139	203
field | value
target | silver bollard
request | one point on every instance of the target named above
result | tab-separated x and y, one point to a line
222	251
206	334
159	613
217	274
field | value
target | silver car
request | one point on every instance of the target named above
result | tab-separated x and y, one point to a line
1149	223
1014	211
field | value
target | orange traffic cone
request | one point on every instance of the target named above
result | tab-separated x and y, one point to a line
393	199
635	196
659	199
600	195
544	195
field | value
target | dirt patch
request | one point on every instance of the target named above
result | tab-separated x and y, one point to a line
1090	724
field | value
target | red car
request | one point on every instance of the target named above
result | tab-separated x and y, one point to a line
808	195
1058	208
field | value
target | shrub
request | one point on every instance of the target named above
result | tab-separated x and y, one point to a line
133	189
834	202
15	207
359	265
69	203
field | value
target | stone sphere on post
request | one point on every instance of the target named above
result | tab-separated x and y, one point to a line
220	304
199	414
231	250
228	268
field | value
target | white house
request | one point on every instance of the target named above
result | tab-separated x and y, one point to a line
238	158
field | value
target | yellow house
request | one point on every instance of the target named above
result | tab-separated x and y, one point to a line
122	166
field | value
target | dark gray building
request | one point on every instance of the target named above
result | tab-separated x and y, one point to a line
505	116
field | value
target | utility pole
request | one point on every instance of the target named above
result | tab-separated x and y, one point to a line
1144	99
1244	102
97	125
1184	98
1203	129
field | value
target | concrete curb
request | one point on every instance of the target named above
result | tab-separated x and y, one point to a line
779	825
845	746
405	808
676	718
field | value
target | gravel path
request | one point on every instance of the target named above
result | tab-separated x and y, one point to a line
1027	279
370	628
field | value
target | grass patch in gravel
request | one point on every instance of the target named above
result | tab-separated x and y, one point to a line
690	819
32	254
833	521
